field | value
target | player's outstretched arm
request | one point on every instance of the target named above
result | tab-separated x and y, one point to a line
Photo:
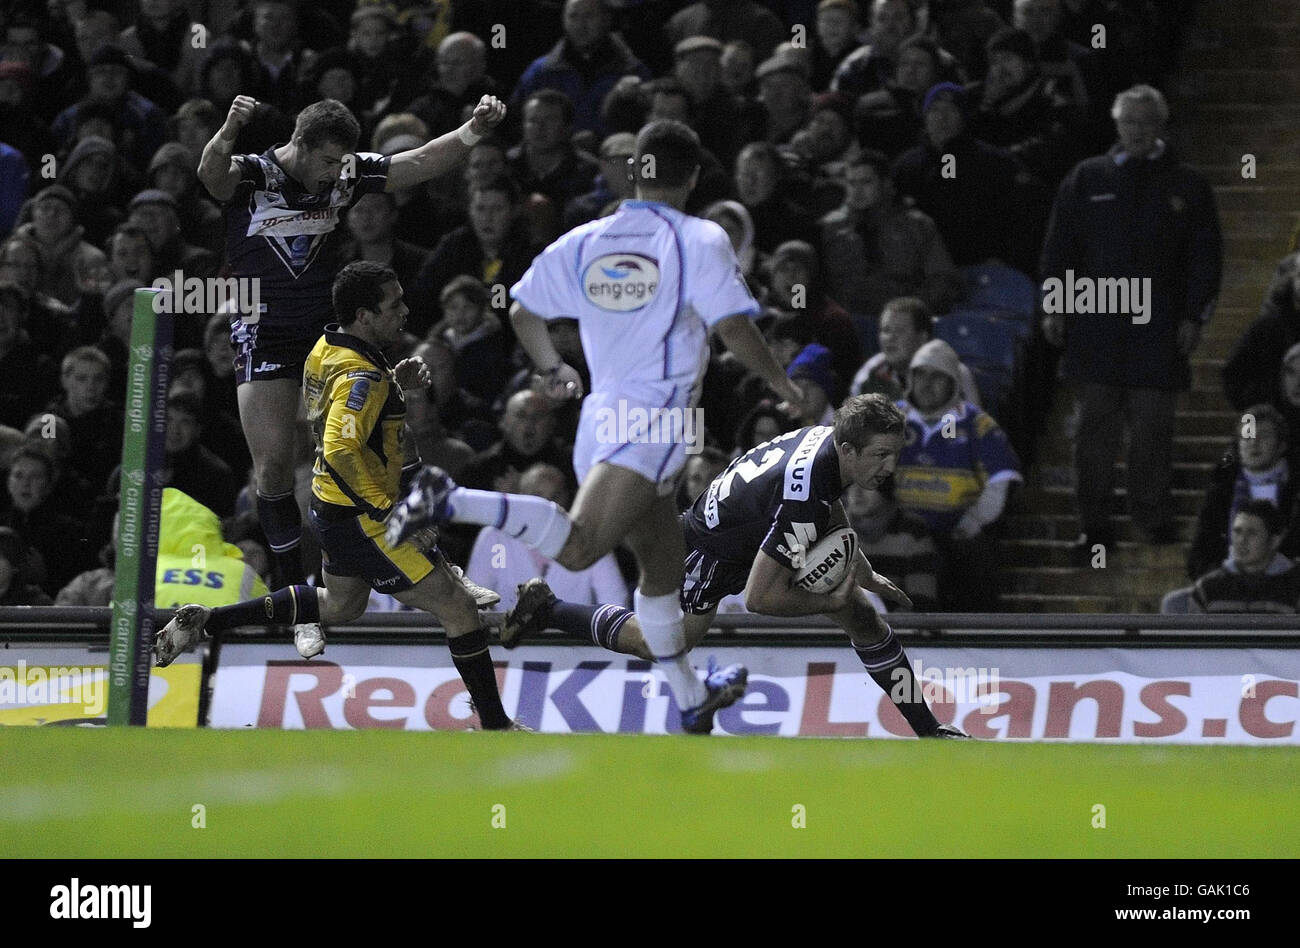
435	158
218	172
739	334
771	591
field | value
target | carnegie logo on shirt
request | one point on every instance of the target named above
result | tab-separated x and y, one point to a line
621	282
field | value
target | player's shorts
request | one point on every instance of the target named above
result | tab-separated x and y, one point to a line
262	355
645	430
354	545
708	581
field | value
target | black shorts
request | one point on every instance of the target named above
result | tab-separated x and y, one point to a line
353	545
708	581
262	355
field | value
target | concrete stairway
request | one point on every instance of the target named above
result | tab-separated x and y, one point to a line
1234	96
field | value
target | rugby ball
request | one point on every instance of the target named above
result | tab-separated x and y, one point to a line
827	562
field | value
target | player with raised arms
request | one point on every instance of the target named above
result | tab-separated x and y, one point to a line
282	213
751	531
647	285
363	461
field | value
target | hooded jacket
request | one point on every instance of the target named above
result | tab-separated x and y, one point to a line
952	454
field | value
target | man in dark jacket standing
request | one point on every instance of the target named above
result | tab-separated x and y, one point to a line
1131	267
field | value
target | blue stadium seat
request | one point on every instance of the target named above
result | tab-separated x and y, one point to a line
980	340
1021	325
992	287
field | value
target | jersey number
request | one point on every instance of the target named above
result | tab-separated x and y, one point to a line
748	470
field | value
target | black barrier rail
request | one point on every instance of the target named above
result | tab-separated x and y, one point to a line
45	624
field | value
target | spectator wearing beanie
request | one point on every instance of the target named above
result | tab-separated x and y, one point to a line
155	212
56	233
172	169
95	173
811	370
991	209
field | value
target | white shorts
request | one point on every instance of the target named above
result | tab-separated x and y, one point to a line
649	429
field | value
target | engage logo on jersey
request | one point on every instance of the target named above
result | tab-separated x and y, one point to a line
621	282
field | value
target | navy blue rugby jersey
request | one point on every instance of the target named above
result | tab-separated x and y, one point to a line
286	237
777	498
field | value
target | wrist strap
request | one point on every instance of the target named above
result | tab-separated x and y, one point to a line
468	135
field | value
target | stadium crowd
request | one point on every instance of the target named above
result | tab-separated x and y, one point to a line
892	174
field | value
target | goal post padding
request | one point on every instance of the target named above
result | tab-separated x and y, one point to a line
144	430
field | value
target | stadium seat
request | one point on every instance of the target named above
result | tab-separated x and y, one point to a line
980	340
991	287
1020	324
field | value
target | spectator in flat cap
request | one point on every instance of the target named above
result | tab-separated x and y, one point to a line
796	293
1017	108
991	209
584	65
155	212
785	95
835	36
144	124
876	248
102	183
870	66
724	120
52	227
727	20
165	35
24	128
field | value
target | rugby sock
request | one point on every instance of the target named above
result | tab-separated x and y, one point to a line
542	524
288	606
282	523
887	664
470	655
665	635
601	622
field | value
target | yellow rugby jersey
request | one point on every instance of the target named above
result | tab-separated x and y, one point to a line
358	417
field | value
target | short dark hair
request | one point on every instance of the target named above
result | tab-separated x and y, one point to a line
359	285
556	98
503	183
1265	511
467	286
862	417
675	149
328	120
127	229
915	309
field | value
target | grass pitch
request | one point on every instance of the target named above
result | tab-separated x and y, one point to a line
138	793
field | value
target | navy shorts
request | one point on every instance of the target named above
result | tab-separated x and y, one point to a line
354	545
708	581
262	355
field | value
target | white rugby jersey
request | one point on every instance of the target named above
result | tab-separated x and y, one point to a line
645	284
